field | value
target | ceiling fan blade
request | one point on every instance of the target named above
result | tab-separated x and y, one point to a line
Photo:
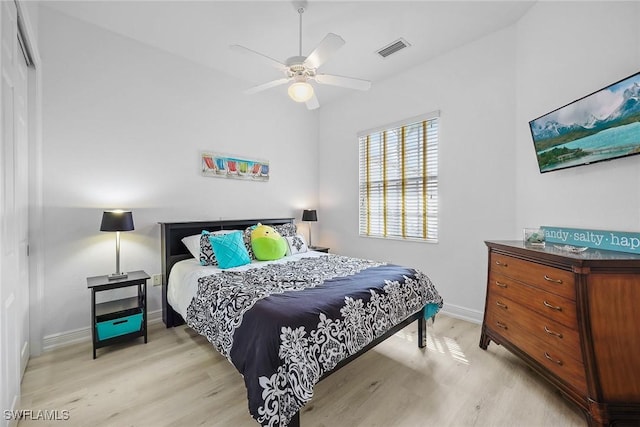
327	47
350	82
313	103
266	86
270	61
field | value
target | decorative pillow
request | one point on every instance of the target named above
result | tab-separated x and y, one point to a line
205	251
296	244
229	249
286	230
267	243
207	256
193	244
246	236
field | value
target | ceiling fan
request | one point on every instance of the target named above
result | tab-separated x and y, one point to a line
300	70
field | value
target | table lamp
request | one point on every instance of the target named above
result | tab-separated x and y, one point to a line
311	216
117	221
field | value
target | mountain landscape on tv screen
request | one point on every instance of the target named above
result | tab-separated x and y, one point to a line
568	134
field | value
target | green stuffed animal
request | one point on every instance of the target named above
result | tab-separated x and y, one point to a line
267	243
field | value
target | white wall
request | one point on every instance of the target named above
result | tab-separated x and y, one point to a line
124	125
567	50
474	88
490	185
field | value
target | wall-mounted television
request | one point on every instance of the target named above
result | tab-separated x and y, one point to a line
603	125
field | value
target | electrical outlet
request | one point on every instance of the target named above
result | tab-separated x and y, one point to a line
157	279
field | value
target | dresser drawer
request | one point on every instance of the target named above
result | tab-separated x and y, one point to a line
550	279
557	361
553	334
552	306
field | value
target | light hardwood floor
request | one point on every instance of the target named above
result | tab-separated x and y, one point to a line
178	379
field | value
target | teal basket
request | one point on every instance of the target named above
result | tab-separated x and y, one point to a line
120	326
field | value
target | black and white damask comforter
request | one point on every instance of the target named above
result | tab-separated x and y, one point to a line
284	325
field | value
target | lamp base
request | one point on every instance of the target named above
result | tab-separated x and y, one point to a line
116	276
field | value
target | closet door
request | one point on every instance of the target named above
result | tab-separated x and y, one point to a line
21	190
14	181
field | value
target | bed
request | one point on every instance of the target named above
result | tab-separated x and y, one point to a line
287	324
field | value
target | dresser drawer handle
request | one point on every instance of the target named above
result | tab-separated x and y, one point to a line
502	285
549	279
550	332
554	307
501	305
501	325
501	264
559	362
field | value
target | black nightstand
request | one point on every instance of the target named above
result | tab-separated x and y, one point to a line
319	249
119	320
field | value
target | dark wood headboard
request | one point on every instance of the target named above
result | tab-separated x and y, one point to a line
173	250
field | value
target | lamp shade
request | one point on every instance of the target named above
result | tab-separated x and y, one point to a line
309	215
117	221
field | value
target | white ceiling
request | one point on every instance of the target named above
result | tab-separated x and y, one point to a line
202	31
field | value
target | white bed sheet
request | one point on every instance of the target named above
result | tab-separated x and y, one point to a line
183	279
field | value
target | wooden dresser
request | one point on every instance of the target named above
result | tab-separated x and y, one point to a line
575	318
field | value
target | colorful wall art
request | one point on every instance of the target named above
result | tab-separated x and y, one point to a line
224	166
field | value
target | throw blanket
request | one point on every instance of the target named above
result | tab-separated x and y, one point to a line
284	325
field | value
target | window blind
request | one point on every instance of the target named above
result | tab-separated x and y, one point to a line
398	181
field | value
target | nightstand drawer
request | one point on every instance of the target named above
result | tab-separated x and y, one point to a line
125	324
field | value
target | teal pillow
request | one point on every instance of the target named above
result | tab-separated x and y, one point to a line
229	249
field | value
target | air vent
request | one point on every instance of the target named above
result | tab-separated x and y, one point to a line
393	47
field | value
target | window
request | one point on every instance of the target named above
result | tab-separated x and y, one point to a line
399	180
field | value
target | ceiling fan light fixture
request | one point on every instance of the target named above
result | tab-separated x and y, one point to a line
300	91
298	70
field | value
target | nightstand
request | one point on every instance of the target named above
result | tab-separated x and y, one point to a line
118	320
319	249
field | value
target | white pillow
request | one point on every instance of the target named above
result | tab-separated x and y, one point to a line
193	242
296	244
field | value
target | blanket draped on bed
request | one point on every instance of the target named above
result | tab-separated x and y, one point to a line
284	325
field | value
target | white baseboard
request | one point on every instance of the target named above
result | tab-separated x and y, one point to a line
24	358
62	339
15	406
473	316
